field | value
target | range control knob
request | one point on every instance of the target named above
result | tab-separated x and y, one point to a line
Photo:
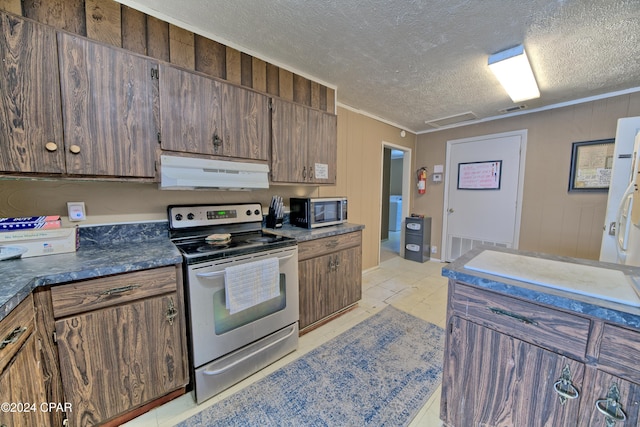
248	212
190	216
257	212
178	217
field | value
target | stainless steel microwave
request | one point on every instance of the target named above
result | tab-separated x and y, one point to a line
317	212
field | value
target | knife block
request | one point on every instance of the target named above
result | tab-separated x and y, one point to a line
272	220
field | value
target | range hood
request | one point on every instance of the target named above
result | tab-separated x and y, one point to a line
189	173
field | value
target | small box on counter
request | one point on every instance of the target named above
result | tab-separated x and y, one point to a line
41	242
30	223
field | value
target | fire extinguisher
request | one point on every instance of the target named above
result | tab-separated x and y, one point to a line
422	180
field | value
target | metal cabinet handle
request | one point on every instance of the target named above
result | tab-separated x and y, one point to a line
217	142
610	407
172	312
564	387
516	316
304	172
120	290
13	336
332	265
310	172
51	146
337	262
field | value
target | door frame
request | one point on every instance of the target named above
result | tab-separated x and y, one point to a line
406	186
445	207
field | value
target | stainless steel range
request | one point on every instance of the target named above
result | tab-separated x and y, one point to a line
242	292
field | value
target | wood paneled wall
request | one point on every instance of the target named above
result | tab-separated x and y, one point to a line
118	25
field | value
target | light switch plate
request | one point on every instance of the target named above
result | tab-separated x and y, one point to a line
76	211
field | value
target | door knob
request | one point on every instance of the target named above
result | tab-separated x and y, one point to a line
51	146
75	149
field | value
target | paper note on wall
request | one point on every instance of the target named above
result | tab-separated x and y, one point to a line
322	170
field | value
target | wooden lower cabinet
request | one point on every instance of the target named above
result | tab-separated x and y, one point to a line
22	390
121	342
330	276
505	365
498	380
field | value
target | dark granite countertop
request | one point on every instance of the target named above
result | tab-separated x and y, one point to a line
622	314
304	234
103	251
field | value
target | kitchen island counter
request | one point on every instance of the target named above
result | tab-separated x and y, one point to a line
577	298
103	251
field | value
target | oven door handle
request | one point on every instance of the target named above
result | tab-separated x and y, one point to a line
210	275
250	355
221	272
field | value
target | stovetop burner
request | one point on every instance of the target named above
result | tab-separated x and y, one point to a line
190	225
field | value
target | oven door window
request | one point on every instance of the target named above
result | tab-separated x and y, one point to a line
225	322
326	212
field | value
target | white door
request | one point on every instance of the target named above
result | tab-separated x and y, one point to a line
483	192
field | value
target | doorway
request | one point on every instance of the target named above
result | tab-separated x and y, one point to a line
396	172
483	192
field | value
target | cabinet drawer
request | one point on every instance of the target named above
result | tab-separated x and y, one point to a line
545	327
326	245
620	352
15	329
78	297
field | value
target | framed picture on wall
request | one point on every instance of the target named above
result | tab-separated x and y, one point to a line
480	175
591	164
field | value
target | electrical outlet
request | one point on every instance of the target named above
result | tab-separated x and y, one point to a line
434	249
76	211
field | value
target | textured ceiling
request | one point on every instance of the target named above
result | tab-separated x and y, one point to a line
411	61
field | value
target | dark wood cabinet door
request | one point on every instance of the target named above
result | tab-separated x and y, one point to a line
117	358
493	379
108	102
347	287
190	114
29	98
599	411
322	143
289	142
22	385
314	282
245	118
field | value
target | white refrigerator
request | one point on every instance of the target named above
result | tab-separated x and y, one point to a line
621	237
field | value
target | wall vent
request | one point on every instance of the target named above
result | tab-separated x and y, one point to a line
451	120
512	109
459	245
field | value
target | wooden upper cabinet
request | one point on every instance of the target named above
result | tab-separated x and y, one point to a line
245	118
323	145
201	115
304	144
31	122
288	141
108	98
190	116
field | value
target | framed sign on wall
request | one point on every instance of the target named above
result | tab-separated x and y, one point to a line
591	164
480	175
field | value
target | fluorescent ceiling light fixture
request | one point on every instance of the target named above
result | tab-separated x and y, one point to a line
514	73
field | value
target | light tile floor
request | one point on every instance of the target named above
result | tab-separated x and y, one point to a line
418	289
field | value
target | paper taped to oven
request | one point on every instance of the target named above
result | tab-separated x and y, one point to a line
250	284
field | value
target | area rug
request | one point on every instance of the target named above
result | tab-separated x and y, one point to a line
380	372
